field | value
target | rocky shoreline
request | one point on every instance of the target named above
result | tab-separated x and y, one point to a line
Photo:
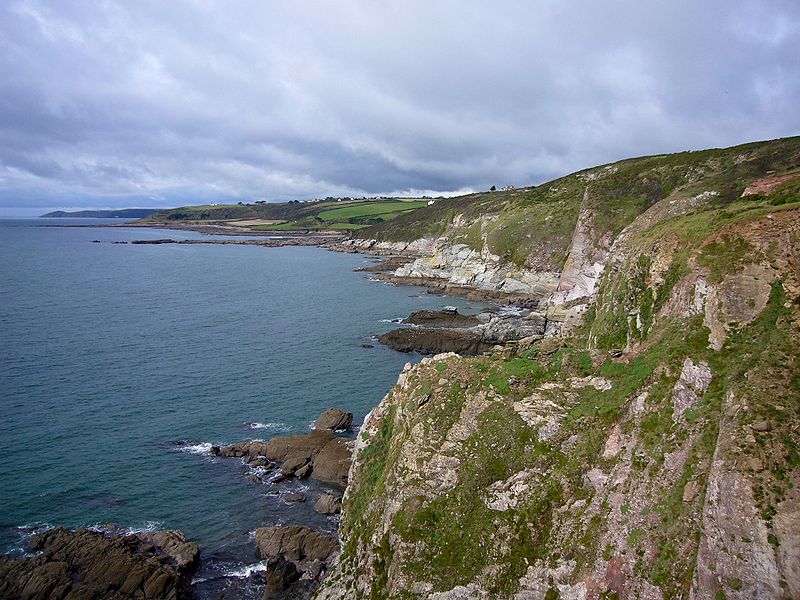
112	564
436	332
103	564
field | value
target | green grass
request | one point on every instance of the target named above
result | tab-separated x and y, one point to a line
342	215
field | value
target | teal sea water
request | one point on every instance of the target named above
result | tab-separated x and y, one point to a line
122	363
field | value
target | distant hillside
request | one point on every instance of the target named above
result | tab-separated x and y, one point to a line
344	214
125	213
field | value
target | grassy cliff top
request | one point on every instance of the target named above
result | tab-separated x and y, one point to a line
534	225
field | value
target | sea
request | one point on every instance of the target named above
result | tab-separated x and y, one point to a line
120	366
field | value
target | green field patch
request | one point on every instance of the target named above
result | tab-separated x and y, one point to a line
369	209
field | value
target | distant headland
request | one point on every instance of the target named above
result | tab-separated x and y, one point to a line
124	213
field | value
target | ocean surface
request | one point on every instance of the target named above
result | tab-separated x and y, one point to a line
121	364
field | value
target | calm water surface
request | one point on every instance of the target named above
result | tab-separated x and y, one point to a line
120	363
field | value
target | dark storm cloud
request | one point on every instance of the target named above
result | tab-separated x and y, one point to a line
161	103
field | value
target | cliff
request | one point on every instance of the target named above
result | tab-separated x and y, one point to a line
649	448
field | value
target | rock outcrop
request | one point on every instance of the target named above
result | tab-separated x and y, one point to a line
92	565
427	340
329	504
441	318
334	419
295	542
652	452
469	340
460	265
318	454
298	560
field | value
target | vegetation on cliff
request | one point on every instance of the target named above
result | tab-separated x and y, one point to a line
535	225
650	449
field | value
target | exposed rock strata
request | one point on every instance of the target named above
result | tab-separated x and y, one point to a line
460	265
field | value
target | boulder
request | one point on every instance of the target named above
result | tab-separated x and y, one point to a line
281	574
295	543
329	504
308	445
333	461
87	564
334	419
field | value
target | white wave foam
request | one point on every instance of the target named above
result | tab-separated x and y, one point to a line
381	281
201	448
268	426
396	320
247	570
147	527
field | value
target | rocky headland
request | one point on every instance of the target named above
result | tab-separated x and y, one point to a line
645	444
629	431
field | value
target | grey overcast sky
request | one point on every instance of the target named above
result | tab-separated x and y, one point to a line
152	103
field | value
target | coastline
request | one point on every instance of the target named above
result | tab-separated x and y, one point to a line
323	241
337	242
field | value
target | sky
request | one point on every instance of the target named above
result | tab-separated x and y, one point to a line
154	104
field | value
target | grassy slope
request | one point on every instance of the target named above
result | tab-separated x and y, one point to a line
534	225
344	215
452	538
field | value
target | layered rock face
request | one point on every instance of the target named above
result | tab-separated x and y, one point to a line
650	454
460	265
96	565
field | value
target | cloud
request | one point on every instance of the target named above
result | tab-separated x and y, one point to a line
152	103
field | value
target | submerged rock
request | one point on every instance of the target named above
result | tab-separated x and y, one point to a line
89	564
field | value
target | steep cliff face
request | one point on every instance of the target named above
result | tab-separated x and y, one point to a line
649	452
554	240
